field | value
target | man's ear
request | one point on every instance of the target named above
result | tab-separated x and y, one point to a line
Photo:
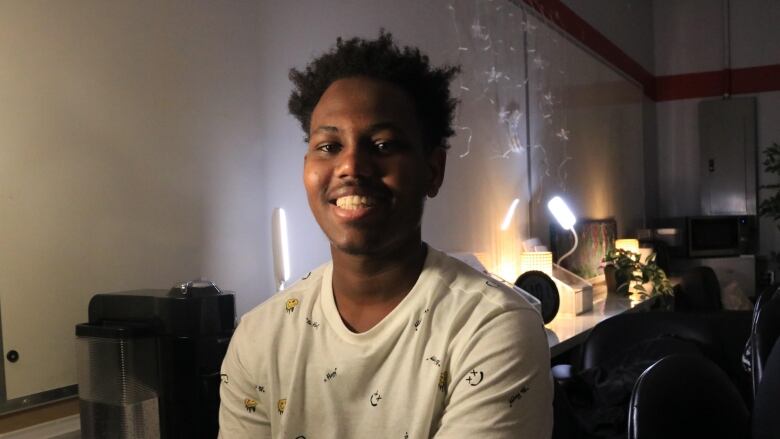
437	161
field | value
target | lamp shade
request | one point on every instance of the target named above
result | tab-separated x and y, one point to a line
562	213
539	261
631	245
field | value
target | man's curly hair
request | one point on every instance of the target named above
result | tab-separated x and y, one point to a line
380	59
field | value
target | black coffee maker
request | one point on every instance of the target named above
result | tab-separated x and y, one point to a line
149	362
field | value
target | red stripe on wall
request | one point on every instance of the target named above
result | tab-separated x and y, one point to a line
662	88
690	85
708	84
755	79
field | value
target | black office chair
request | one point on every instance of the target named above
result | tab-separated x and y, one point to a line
614	355
623	332
619	349
699	290
765	331
766	422
686	396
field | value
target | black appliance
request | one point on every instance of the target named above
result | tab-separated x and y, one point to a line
707	236
149	362
723	235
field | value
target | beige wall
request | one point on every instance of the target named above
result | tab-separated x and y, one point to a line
144	143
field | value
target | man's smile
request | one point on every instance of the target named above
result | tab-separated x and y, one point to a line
352	202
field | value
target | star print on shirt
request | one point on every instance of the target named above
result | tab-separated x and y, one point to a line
418	321
435	360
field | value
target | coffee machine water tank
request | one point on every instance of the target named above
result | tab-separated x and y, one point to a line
149	362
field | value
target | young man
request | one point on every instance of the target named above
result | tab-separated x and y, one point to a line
392	339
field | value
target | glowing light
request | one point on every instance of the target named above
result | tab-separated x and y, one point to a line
281	250
562	213
509	214
507	269
631	245
539	261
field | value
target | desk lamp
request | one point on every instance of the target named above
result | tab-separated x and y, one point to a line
280	248
565	218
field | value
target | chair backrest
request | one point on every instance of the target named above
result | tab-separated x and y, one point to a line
765	331
766	422
686	396
622	332
699	291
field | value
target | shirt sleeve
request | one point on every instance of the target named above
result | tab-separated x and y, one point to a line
242	412
501	386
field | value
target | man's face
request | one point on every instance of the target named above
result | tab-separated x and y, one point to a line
366	171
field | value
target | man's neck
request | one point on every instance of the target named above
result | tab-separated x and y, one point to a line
367	288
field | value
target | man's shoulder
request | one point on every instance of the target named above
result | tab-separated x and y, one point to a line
467	285
286	301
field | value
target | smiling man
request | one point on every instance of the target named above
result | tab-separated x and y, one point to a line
392	338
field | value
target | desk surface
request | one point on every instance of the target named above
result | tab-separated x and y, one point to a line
567	331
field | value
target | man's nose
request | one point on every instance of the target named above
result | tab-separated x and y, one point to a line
355	161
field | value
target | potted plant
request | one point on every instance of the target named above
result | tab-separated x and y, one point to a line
770	206
625	270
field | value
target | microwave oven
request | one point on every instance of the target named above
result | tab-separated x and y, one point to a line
722	235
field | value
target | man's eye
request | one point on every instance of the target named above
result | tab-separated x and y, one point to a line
385	146
328	147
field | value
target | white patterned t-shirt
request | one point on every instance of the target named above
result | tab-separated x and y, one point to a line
459	357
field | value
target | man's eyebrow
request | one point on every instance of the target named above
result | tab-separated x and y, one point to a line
327	129
372	129
385	126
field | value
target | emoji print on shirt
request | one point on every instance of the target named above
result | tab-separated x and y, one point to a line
250	405
291	304
281	405
443	380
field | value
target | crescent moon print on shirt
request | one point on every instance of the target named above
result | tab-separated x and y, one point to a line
375	398
474	377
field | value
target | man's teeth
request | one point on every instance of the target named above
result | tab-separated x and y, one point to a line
352	202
